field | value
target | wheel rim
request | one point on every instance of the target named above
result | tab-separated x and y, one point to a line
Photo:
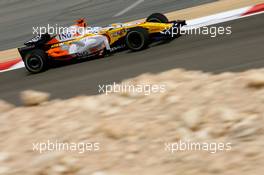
135	40
34	63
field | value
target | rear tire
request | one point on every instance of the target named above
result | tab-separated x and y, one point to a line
137	39
36	61
157	17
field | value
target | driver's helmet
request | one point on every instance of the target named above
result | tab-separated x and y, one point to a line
81	22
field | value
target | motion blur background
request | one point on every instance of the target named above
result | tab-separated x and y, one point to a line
212	95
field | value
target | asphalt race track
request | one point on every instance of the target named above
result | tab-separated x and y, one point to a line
239	51
18	17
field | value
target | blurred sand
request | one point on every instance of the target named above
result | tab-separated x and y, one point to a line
132	128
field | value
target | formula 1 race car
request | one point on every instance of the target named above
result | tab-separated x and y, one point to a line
80	41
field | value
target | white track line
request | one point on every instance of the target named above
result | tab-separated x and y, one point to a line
129	8
219	18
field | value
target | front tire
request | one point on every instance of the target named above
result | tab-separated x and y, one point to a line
137	39
157	17
36	61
